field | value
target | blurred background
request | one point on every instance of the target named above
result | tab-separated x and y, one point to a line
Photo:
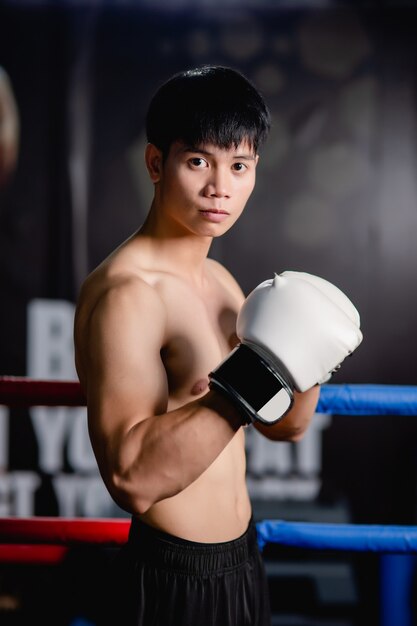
336	196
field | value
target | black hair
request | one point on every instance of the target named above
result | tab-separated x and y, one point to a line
207	105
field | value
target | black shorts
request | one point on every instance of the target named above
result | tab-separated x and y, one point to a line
162	580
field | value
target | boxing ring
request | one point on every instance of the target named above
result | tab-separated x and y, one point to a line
47	539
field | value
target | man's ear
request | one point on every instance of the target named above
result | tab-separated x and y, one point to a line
153	160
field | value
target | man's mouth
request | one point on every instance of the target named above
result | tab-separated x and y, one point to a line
214	215
213	210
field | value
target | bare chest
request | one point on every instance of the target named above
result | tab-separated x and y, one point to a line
200	333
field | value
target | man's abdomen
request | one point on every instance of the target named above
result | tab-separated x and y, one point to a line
215	507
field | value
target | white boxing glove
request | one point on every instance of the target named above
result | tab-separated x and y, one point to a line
294	330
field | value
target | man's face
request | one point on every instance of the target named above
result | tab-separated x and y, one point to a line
204	189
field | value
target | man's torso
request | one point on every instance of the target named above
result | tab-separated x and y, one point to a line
200	331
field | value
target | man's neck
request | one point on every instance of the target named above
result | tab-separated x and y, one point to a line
180	252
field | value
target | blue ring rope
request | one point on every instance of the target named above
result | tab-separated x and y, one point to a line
340	537
350	400
368	400
396	571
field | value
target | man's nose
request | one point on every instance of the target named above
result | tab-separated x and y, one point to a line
218	185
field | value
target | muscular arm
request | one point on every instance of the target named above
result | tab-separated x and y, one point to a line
145	453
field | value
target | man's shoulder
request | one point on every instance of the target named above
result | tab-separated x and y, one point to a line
219	270
109	289
225	277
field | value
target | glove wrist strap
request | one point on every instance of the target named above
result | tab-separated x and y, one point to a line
248	378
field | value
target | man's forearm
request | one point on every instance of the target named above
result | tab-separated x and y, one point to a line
294	424
160	456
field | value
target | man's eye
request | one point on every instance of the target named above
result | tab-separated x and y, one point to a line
198	162
239	167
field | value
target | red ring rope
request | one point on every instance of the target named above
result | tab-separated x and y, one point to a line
29	554
20	391
46	540
63	531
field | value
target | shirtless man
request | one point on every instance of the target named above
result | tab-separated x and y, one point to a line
152	321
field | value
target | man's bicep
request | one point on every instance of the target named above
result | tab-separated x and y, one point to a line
126	379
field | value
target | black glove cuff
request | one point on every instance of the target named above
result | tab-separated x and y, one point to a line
250	382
